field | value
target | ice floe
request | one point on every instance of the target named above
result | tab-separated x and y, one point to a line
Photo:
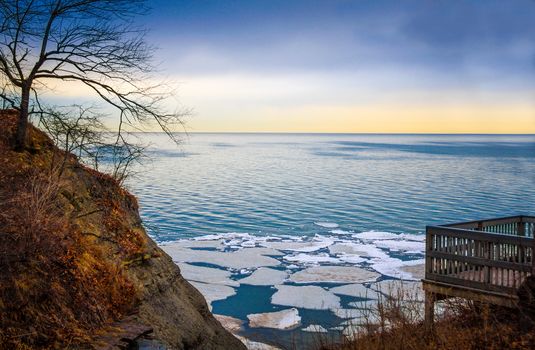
254	345
196	244
225	236
306	297
206	275
213	292
351	258
368	305
365	318
394	267
348	313
284	319
315	328
417	271
312	259
265	277
404	290
379	235
374	235
317	243
231	324
245	251
341	232
333	274
345	248
326	224
248	244
414	237
352	331
240	259
358	249
355	290
396	245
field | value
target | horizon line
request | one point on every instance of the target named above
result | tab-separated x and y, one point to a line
333	133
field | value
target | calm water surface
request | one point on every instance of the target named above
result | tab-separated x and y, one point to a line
283	183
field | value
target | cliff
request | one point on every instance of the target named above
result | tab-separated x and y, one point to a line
74	258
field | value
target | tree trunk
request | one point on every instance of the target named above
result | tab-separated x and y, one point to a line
22	125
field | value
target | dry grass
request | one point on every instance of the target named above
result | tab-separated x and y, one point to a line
58	284
397	323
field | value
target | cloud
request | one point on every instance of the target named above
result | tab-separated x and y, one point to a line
484	43
251	62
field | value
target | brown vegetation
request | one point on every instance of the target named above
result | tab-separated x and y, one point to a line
74	257
57	284
462	325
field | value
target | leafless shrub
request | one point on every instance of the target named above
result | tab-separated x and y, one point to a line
79	131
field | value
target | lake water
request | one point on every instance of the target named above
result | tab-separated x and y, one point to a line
292	202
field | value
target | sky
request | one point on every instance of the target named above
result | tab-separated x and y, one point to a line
349	66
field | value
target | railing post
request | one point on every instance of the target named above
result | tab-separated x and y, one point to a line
487	268
428	248
533	257
521	228
429	319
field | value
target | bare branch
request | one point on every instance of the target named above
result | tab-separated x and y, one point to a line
92	42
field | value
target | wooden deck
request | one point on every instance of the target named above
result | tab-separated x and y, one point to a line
485	260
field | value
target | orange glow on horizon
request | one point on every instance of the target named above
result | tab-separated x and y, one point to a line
477	119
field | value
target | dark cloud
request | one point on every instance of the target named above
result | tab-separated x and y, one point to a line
473	40
466	24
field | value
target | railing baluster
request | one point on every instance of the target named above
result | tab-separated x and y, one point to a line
493	255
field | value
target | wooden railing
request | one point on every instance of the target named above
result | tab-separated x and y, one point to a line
512	225
490	255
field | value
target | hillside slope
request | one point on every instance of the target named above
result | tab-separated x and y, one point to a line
74	257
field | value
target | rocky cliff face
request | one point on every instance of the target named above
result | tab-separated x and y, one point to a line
167	302
74	250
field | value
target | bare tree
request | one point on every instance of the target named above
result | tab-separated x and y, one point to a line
92	42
